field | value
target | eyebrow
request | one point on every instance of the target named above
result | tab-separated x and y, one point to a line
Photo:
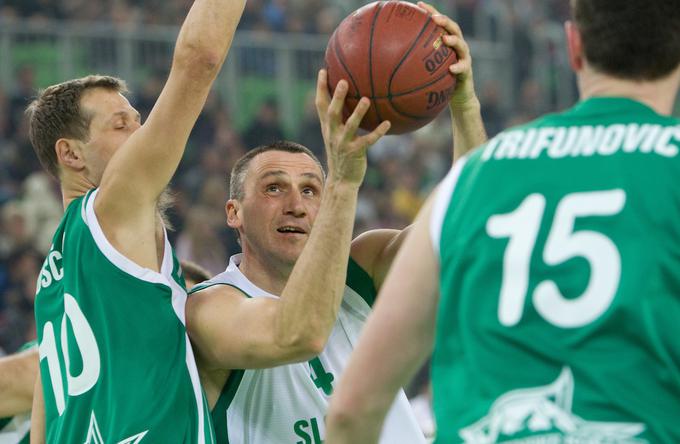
138	116
281	173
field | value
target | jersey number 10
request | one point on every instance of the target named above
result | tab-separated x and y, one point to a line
88	349
563	243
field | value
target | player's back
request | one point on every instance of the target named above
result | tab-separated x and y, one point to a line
115	361
560	281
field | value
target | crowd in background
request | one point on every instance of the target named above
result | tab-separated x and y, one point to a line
402	170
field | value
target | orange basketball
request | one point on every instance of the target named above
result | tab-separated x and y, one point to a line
392	52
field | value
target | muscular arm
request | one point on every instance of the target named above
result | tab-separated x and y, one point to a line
234	332
375	250
17	379
397	338
141	168
466	117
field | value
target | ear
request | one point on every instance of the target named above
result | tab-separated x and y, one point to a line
233	210
69	154
574	46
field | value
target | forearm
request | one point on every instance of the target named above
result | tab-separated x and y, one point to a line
17	379
396	340
38	434
385	360
207	32
312	296
141	169
468	127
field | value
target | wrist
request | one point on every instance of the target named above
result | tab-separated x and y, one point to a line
470	104
335	184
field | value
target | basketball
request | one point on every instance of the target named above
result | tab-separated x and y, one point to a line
392	52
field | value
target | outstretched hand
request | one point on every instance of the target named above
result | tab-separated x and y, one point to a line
462	69
345	150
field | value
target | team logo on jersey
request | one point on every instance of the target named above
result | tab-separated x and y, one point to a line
94	436
544	414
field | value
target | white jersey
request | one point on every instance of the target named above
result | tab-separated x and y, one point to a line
288	404
15	430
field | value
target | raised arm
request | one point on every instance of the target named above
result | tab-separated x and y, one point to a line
18	373
142	167
397	338
232	331
466	117
375	250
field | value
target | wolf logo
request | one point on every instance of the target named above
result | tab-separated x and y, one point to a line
544	415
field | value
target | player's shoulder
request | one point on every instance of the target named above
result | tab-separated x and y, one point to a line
211	288
208	298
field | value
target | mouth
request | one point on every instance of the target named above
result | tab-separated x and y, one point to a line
289	229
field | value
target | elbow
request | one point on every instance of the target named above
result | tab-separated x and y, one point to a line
198	61
342	417
303	347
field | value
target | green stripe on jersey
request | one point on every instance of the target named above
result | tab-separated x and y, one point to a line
360	281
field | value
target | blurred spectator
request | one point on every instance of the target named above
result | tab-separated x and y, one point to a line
309	133
200	242
266	127
401	171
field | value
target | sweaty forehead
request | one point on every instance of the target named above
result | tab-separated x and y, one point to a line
291	164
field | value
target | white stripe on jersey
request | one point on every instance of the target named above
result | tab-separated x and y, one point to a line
442	198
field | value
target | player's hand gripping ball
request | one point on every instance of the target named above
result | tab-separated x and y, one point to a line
392	52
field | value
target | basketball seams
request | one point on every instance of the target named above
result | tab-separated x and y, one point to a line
341	58
370	57
410	91
406	54
402	87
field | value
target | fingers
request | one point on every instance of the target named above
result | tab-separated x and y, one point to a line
454	40
428	7
442	20
372	137
338	101
323	98
460	46
358	114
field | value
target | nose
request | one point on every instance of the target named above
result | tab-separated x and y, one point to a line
294	205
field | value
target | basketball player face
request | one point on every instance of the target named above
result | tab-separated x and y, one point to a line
282	198
112	122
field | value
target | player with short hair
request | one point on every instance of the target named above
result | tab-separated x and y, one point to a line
115	361
274	331
18	373
546	267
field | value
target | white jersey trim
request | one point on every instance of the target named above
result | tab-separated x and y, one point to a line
120	260
179	295
441	203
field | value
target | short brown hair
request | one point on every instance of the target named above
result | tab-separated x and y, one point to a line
630	39
237	177
57	113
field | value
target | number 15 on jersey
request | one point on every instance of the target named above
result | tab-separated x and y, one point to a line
522	226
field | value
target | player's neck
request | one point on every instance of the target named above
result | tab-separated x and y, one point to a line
72	187
659	94
264	272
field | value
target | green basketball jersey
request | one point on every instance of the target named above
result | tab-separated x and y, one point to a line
115	359
559	245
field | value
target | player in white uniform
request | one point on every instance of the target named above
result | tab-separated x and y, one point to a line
274	331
